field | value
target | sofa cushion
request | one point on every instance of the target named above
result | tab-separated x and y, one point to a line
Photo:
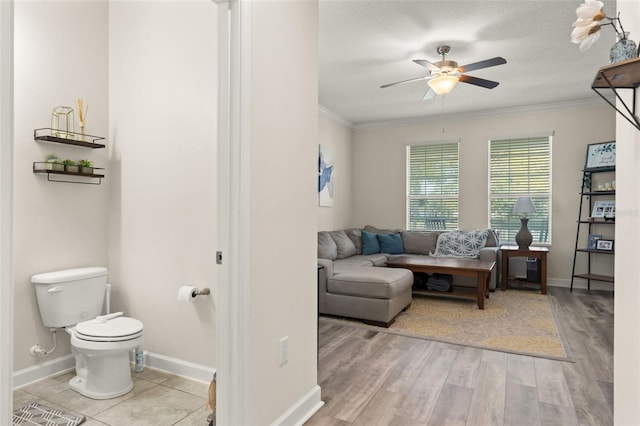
327	248
376	283
345	246
355	235
461	243
375	230
419	242
370	244
390	243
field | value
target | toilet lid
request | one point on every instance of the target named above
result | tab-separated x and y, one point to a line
120	328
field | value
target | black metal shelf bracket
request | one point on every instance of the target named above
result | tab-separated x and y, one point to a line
73	181
623	75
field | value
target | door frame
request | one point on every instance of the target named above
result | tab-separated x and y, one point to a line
6	211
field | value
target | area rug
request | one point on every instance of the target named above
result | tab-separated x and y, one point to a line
513	321
38	414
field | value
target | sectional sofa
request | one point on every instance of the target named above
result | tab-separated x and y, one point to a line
354	282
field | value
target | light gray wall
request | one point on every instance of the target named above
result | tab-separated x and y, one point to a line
379	167
337	135
162	207
57	225
627	297
284	158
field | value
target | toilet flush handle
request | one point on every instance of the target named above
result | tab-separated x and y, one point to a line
55	289
105	318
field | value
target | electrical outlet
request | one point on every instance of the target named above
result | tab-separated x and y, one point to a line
283	350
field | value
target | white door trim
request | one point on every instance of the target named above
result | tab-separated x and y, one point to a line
6	211
234	214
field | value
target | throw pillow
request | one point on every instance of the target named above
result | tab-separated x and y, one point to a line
345	246
390	243
370	244
461	243
327	248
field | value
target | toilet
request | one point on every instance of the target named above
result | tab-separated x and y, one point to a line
73	299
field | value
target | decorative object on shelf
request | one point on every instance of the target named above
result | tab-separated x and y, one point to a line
523	206
54	162
586	30
62	121
70	166
600	155
622	49
82	114
604	245
86	167
592	239
605	209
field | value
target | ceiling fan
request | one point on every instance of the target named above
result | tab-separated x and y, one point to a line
444	75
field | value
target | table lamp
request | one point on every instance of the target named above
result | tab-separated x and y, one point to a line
523	206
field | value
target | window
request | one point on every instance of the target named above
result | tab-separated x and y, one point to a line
520	167
432	186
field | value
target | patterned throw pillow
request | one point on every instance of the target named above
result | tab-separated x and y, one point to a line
461	243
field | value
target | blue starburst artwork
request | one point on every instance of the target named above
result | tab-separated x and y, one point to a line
325	176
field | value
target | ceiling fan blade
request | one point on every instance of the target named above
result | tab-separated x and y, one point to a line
483	64
429	95
488	84
428	65
404	81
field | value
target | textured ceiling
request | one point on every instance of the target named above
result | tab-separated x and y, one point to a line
364	44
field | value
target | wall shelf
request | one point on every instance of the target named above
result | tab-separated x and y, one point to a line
622	75
48	134
94	175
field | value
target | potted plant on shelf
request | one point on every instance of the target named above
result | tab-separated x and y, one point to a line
86	167
71	166
54	163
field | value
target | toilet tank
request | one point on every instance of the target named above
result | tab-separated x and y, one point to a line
70	296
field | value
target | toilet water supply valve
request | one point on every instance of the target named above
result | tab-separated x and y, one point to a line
36	350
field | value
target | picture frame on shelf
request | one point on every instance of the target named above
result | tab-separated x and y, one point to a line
592	241
604	209
600	156
606	245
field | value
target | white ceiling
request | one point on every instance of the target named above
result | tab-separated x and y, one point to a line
367	43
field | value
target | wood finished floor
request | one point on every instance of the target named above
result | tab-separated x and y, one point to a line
371	378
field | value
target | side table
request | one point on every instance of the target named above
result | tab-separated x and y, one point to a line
532	252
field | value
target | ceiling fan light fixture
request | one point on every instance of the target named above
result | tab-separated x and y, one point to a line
443	84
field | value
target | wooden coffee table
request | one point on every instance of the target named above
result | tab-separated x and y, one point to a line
480	269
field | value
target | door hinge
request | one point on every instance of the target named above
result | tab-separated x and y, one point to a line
219	257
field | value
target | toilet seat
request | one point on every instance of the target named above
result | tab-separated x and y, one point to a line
114	330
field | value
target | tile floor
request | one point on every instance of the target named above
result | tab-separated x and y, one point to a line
157	398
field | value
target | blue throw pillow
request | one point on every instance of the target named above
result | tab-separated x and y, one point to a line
370	243
390	243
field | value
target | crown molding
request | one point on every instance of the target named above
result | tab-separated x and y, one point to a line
336	117
577	103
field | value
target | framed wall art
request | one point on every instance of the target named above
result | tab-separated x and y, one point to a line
600	156
605	209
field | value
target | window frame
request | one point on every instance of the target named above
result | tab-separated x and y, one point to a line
448	224
535	195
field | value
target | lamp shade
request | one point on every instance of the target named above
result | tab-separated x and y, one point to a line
443	84
523	206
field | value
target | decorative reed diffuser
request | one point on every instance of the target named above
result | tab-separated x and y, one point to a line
82	114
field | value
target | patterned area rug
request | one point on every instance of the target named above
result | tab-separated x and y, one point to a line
513	321
38	414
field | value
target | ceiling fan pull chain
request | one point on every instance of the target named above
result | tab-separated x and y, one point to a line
442	113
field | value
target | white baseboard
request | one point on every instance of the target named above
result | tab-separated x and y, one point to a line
42	371
178	367
67	363
302	410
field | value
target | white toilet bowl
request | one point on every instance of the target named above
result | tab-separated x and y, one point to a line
101	350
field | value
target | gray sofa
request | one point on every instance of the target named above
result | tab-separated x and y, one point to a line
356	284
